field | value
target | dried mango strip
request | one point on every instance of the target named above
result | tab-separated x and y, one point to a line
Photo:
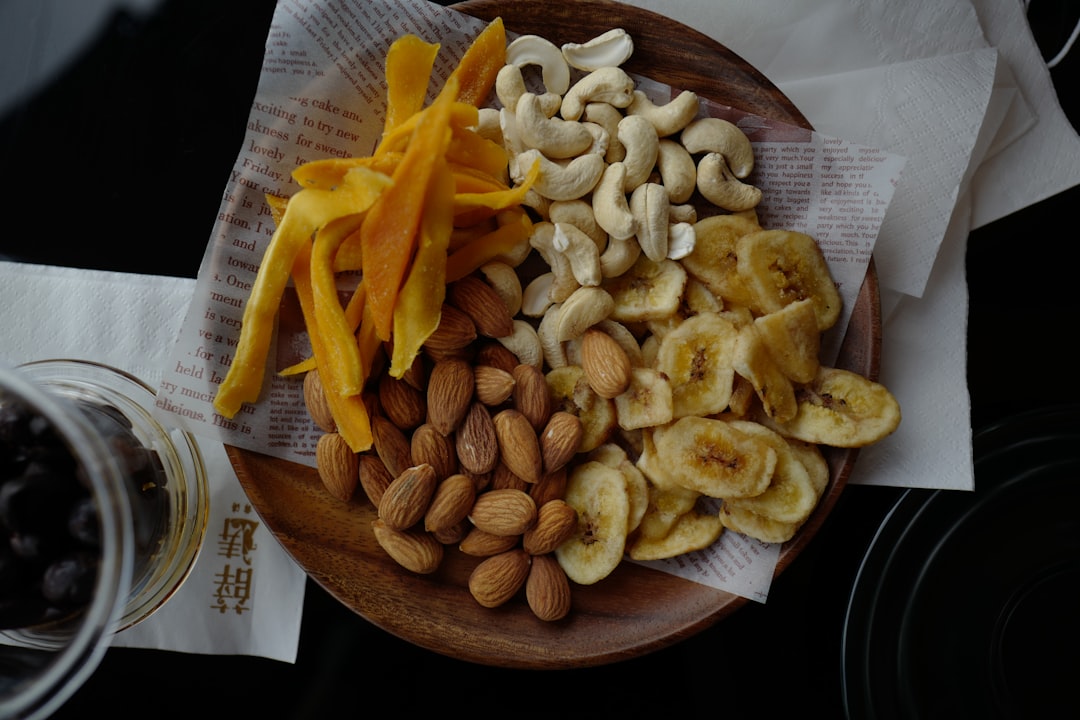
354	313
408	76
306	212
419	305
366	338
389	233
350	256
462	115
471	208
476	71
340	367
383	248
499	242
328	173
349	411
470	180
462	236
470	149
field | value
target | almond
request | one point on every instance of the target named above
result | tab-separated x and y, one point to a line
455	331
518	444
430	446
532	397
315	400
450	504
480	543
606	364
338	466
547	589
416	374
498	578
551	486
476	442
560	440
482	481
504	477
374	477
391	445
453	534
505	511
496	355
407	498
449	393
474	297
556	521
493	385
414	550
404	405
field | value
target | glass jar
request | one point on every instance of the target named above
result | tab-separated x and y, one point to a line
149	487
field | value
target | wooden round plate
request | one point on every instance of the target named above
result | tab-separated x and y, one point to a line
635	610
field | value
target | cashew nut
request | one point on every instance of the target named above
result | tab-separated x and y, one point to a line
509	86
554	137
649	204
677	170
535	50
580	214
642	144
489	126
563	282
536	295
550	103
682	213
670	117
504	278
681	240
536	202
580	250
719	185
517	254
554	350
610	206
611	48
620	256
584	308
716	135
601	139
607	116
608	84
563	181
512	142
524	343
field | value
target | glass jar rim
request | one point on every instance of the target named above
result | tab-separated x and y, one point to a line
189	483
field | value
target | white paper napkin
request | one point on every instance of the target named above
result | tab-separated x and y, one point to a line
226	606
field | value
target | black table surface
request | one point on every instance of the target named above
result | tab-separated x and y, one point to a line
192	66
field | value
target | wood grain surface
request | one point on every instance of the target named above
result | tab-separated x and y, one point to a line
635	610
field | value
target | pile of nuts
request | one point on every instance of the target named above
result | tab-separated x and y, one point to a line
649	340
469	451
471	447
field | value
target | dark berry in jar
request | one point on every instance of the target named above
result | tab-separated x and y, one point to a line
69	581
83	523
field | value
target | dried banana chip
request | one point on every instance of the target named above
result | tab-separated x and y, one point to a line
712	457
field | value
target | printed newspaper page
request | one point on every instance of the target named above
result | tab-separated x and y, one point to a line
321	94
